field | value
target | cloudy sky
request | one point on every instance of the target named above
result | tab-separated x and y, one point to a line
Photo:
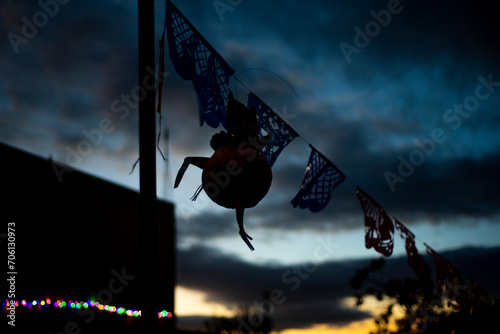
402	96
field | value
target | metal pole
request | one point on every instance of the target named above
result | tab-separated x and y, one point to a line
147	174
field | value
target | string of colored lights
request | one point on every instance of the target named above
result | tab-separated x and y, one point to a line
81	304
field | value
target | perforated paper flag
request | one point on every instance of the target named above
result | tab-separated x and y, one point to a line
196	60
271	123
379	228
415	260
320	178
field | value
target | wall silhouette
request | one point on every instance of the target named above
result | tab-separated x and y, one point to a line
78	238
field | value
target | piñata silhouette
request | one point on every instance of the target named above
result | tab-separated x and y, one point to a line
236	176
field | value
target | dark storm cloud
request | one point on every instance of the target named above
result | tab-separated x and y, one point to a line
460	187
90	50
310	293
315	30
72	69
208	225
425	37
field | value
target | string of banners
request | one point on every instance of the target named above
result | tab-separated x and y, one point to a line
196	60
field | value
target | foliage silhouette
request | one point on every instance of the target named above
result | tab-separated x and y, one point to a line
469	309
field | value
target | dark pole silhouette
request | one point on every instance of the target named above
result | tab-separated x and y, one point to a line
147	174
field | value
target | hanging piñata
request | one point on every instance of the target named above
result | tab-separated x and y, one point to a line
236	176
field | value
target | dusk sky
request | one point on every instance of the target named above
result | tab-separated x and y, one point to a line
403	96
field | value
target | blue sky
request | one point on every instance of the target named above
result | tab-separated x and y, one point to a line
392	100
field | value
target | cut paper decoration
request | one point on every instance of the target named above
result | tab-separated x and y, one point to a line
320	179
271	123
415	260
379	228
449	278
196	60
